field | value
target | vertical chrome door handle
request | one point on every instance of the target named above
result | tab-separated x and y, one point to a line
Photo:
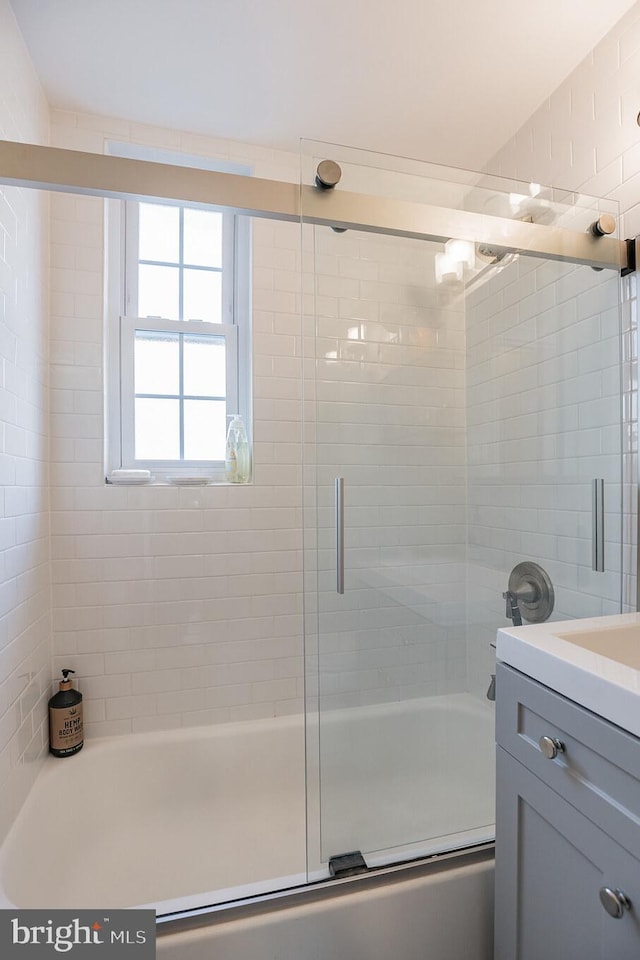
597	511
340	534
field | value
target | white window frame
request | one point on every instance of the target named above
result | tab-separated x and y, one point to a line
132	262
128	328
120	331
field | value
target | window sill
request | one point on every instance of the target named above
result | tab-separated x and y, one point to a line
178	482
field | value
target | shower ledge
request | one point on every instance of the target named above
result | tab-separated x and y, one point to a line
594	662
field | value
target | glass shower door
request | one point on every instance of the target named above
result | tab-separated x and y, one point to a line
409	538
400	739
544	443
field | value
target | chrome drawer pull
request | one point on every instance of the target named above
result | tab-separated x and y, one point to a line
551	747
615	902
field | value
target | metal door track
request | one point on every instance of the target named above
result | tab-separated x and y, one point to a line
347	865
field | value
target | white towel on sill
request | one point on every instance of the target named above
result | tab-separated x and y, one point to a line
138	476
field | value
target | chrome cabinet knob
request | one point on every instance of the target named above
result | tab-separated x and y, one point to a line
615	902
551	747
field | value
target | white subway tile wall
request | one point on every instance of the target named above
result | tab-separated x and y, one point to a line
176	606
543	400
584	138
25	605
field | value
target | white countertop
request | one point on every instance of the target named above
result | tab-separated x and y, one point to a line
603	675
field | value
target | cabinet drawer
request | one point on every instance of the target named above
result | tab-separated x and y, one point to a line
598	771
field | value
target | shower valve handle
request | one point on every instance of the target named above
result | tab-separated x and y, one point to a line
512	611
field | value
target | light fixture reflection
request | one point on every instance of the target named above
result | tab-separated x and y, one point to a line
448	271
462	251
518	203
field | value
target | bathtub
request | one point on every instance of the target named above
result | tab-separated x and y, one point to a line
401	780
169	820
180	819
437	911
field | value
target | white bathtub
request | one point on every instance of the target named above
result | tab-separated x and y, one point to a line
434	912
402	780
179	819
169	820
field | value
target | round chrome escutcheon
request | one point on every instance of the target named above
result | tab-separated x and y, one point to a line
534	590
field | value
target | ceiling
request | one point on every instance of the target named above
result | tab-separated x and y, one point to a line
442	80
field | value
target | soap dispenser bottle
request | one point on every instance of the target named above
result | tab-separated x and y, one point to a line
66	735
237	462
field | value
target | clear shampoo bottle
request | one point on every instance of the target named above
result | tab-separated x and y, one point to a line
237	463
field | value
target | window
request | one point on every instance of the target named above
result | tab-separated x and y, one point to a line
178	377
174	262
179	354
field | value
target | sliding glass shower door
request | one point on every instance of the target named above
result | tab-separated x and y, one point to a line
390	437
544	444
421	496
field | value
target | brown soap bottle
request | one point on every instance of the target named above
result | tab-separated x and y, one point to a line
66	736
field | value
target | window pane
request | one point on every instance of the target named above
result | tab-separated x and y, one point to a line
157	362
204	367
204	429
157	429
159	232
202	295
158	292
203	238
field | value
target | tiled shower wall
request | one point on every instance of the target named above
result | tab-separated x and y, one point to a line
543	399
25	611
584	138
184	606
176	606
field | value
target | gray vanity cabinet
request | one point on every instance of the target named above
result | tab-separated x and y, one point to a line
567	829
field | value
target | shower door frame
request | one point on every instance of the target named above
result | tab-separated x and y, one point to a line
102	175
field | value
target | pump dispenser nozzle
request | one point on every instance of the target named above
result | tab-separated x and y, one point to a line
65	683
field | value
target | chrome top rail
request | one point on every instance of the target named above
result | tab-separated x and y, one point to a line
120	178
427	222
94	174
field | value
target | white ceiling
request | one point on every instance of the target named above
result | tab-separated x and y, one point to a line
442	80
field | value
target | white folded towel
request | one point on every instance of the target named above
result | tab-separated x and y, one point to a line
130	475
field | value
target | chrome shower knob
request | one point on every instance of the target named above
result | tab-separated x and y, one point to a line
615	902
551	747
